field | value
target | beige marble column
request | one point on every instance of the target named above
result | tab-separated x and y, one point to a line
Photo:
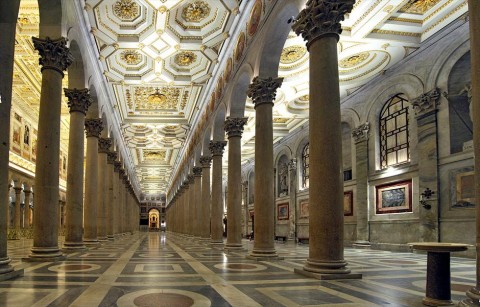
246	217
234	130
205	161
16	220
190	212
93	128
217	148
121	203
292	193
474	14
262	91
125	204
28	211
198	217
360	137
116	197
111	157
8	23
78	101
326	182
103	147
55	57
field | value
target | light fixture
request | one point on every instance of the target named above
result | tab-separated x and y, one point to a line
157	97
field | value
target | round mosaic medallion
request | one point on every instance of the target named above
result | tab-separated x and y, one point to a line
240	267
74	267
240	46
255	18
228	70
185	58
399	261
292	54
353	60
131	57
163	298
196	11
126	9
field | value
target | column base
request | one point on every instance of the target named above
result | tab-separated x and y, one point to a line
70	247
45	254
7	271
434	302
102	239
216	243
11	274
360	244
110	237
327	270
89	242
473	298
263	255
234	247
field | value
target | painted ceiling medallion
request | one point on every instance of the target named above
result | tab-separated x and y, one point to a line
185	58
353	60
418	6
154	155
131	57
126	9
292	54
255	16
157	98
196	11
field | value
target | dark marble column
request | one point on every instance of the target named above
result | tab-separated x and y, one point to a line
205	161
103	146
426	113
78	101
28	211
263	92
198	217
217	148
117	166
321	31
190	214
234	130
16	220
360	136
110	209
55	57
292	193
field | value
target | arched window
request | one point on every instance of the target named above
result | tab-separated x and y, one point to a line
394	138
306	165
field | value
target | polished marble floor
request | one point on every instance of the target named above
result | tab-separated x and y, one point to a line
158	269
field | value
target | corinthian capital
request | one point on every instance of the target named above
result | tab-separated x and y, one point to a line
263	90
191	179
111	157
321	17
217	147
104	144
117	166
93	127
426	102
205	161
234	126
78	99
54	54
197	171
360	133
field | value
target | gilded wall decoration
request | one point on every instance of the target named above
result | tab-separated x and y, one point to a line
131	57
196	11
126	9
154	155
292	54
185	58
255	16
418	6
353	60
240	46
279	120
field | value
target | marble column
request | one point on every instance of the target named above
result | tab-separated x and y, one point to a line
234	129
116	197
28	211
360	137
8	23
263	92
474	21
111	157
216	221
326	256
190	213
198	219
205	161
55	57
246	217
16	221
78	101
292	193
425	108
93	128
103	148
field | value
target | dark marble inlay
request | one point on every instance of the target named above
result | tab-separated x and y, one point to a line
163	300
74	267
399	261
239	266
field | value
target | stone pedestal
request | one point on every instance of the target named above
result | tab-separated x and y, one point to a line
217	148
93	128
205	161
55	57
360	136
234	130
78	101
103	147
326	259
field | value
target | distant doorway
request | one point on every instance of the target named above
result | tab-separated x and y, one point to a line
153	219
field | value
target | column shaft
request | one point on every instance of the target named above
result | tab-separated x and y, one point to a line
198	217
18	191
217	195
206	197
360	135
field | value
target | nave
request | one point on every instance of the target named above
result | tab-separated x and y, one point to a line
158	269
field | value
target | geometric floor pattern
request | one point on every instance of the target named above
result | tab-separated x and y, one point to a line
158	269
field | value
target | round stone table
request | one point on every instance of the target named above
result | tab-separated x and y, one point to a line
438	270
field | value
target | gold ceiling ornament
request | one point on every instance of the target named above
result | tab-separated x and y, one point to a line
304	98
157	98
292	54
126	9
185	58
131	57
154	155
418	6
279	120
171	127
196	11
164	98
353	60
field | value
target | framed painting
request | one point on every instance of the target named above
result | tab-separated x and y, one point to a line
462	191
304	210
348	203
282	213
394	197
